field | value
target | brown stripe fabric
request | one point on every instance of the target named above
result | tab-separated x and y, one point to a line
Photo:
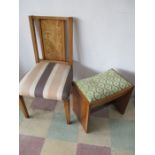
68	84
43	79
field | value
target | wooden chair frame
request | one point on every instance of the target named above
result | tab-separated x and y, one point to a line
69	21
69	61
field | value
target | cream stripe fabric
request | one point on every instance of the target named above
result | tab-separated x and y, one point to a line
27	75
56	82
27	81
49	81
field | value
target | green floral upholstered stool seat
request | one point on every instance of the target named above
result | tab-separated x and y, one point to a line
102	85
98	90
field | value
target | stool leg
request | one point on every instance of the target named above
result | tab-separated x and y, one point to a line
85	111
23	107
81	108
122	102
67	110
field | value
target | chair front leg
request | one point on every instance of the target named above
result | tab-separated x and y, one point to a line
67	110
23	107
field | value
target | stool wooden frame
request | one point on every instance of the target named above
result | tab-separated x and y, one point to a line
82	108
48	23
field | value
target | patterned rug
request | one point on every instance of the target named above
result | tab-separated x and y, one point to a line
46	132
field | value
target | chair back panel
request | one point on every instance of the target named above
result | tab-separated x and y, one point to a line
53	37
56	38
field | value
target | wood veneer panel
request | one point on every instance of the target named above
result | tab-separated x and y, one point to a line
53	34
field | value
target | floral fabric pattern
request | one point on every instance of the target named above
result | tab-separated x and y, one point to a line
102	85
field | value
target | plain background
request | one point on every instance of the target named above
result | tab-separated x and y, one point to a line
145	75
103	34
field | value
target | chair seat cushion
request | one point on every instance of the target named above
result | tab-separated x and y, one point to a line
102	85
47	80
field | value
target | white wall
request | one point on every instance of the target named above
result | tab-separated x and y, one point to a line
103	34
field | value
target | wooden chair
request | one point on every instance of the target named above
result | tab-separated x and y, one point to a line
52	75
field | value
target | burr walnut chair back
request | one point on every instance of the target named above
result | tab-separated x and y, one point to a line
55	37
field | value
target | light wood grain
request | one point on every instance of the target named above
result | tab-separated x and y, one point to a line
70	39
53	39
34	40
23	107
67	110
41	39
122	102
82	107
50	17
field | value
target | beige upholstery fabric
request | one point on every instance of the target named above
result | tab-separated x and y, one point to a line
47	80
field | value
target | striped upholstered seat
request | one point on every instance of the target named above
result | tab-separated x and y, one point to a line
47	80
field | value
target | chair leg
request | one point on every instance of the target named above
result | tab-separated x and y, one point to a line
23	107
67	110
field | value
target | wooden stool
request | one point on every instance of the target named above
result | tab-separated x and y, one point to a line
101	89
